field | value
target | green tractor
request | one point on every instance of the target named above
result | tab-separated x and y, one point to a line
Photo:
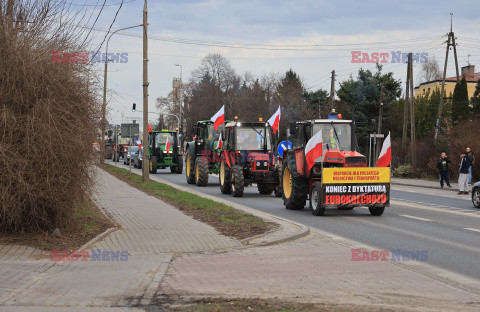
203	153
164	151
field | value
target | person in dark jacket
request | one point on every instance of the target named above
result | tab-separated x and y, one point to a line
442	166
471	157
463	174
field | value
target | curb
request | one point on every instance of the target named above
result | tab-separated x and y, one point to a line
453	189
97	238
267	239
262	239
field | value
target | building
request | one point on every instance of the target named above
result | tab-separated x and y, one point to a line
470	76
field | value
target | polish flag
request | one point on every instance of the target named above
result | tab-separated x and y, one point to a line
385	157
149	128
313	150
167	145
274	121
220	143
219	118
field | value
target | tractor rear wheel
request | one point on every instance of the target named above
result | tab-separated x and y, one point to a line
179	167
376	211
294	190
173	169
224	178
189	167
264	188
316	199
153	164
238	183
201	173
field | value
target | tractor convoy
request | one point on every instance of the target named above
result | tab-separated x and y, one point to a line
320	166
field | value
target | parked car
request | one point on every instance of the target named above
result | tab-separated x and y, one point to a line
476	194
138	158
130	151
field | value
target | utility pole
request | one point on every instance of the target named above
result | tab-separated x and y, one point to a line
412	113
332	90
145	162
380	116
405	108
450	42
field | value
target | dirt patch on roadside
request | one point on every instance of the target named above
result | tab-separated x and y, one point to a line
88	221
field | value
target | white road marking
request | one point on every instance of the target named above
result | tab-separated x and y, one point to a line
472	229
416	218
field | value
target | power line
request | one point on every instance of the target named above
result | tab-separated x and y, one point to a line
115	17
101	9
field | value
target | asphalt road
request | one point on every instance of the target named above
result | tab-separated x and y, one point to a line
439	221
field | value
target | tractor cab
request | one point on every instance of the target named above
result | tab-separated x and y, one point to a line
164	151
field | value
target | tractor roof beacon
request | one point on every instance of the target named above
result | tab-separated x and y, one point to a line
159	156
338	142
248	157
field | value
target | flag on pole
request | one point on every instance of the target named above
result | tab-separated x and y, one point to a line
313	150
167	145
385	157
219	143
219	118
149	128
274	121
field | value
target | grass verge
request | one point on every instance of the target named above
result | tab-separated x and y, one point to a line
225	219
87	222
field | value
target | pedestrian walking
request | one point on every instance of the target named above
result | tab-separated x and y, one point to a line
463	174
442	166
471	157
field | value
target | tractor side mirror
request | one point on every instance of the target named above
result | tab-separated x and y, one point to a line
292	128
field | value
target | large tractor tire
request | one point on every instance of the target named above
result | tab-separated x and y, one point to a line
224	178
201	172
264	188
376	211
179	167
238	183
173	169
294	190
318	209
153	164
189	167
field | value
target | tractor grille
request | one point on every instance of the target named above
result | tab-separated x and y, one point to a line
355	160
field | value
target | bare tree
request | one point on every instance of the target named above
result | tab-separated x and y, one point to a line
430	71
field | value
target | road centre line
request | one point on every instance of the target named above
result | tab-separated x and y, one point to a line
416	218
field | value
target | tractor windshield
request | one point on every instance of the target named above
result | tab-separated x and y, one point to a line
161	138
335	135
253	138
213	135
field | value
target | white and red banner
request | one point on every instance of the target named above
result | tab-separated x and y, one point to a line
385	157
167	145
219	118
274	121
313	150
219	143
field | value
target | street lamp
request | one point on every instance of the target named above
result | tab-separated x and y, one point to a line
181	120
104	104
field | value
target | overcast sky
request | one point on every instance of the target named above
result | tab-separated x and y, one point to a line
311	37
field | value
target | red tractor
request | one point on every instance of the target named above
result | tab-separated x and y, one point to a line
339	179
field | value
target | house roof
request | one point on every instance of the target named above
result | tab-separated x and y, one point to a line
469	79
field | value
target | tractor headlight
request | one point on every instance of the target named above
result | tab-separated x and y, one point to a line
317	170
259	164
265	163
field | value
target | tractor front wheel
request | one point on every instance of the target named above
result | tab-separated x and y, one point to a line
294	190
264	188
238	183
316	199
153	164
201	173
376	211
179	167
224	178
189	164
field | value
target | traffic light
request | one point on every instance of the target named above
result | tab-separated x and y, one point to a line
134	107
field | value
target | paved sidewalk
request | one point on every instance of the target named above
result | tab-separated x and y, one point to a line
424	183
151	231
